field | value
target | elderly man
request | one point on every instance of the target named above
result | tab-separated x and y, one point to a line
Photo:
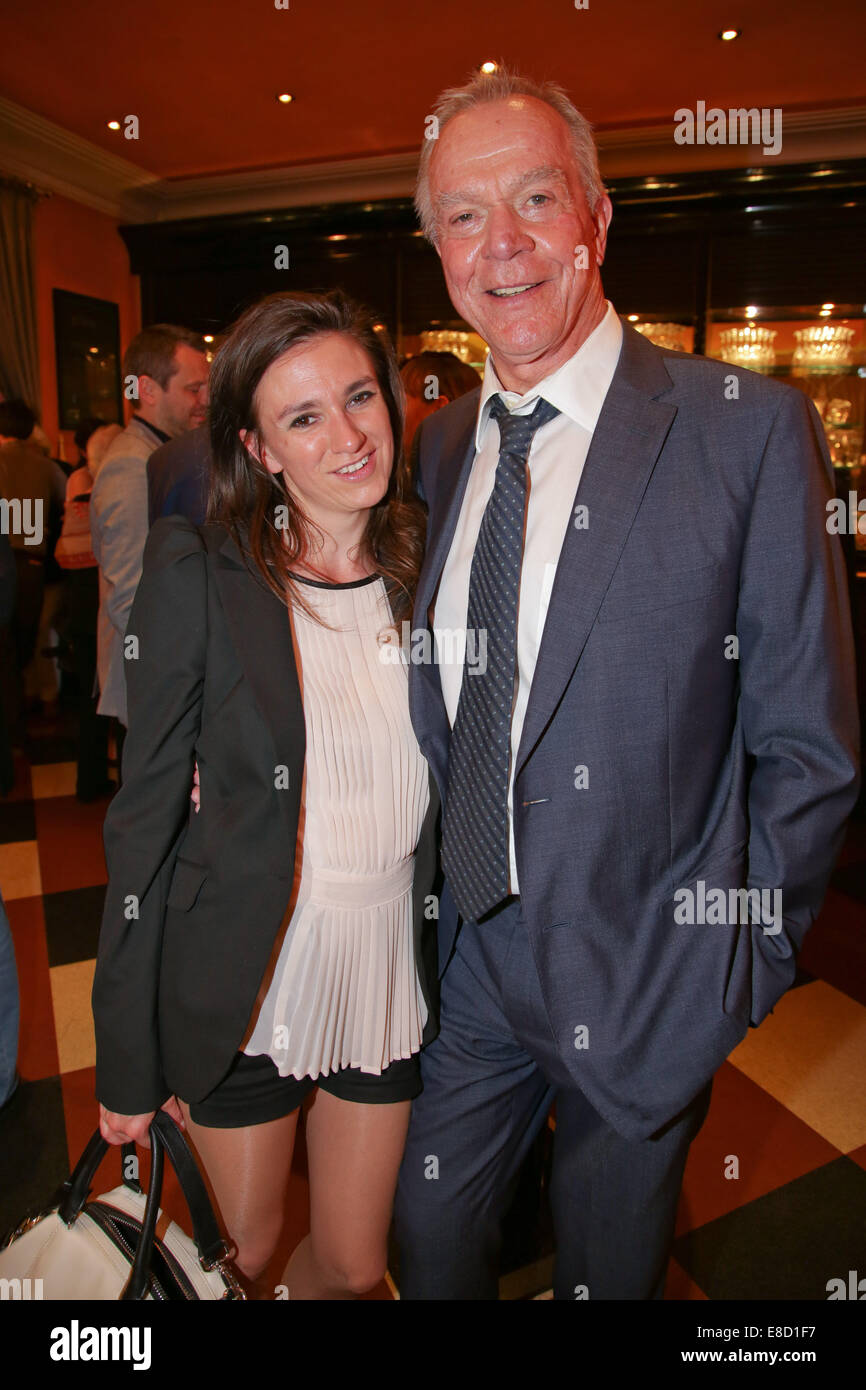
168	371
665	721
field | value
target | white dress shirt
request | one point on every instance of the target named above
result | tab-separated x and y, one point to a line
556	461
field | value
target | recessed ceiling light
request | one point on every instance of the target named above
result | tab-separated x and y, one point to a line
114	125
489	67
208	337
285	98
633	318
337	236
821	173
751	310
727	35
824	314
93	349
828	305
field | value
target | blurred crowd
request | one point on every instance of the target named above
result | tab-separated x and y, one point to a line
72	536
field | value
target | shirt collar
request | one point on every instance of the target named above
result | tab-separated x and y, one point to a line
577	388
160	434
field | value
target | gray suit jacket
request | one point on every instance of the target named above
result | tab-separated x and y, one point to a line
706	522
118	529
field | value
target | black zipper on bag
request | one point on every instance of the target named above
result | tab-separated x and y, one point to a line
166	1274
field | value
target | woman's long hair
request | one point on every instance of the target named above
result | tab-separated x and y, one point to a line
244	496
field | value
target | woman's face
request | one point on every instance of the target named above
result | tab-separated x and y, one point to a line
324	424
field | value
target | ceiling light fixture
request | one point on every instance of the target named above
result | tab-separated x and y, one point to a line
489	67
727	35
285	98
114	125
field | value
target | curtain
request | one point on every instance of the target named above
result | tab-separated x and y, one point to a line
19	352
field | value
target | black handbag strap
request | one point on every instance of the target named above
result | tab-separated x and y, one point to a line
128	1152
206	1232
139	1276
164	1135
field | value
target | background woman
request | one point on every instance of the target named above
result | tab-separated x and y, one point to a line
277	943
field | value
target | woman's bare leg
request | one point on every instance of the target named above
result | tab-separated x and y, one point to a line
248	1170
354	1154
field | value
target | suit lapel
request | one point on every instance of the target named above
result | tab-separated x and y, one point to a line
456	454
260	630
454	464
625	446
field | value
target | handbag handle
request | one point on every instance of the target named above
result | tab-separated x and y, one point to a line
164	1135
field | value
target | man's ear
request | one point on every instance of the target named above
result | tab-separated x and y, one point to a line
601	217
149	391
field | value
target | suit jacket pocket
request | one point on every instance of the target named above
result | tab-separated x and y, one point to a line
185	884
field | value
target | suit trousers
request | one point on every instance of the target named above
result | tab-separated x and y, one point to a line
489	1080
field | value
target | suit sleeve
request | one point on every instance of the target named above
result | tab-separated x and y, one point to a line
118	525
797	690
148	816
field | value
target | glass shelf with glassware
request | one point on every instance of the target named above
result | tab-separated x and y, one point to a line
819	348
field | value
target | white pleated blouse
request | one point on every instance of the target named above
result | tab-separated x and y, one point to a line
344	989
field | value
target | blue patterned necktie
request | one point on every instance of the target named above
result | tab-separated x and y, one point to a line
475	851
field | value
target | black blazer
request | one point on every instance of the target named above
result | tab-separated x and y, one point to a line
195	900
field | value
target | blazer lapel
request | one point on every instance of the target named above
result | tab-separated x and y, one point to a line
625	446
260	630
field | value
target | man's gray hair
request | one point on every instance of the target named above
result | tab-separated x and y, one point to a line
499	86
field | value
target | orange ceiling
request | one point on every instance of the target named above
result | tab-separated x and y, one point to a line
202	77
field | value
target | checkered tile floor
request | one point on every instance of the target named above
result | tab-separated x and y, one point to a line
774	1200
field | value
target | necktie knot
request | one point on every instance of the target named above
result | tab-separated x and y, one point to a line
516	432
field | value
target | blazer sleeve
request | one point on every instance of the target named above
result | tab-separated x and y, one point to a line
797	690
147	818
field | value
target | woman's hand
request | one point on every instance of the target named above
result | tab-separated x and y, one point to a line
121	1129
195	794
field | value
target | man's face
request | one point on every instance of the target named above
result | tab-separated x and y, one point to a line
511	214
182	406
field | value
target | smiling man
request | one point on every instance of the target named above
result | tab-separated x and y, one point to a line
668	700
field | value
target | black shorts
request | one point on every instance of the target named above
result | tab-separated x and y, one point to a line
253	1092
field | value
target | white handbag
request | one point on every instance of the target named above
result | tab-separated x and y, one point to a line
108	1248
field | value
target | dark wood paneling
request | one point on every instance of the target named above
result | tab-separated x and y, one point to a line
678	245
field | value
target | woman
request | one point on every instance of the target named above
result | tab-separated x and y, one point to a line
277	943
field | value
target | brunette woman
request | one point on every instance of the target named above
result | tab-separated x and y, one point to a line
278	945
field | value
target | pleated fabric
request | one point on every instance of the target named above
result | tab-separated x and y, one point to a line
344	989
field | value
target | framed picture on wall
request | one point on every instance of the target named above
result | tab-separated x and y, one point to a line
87	342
